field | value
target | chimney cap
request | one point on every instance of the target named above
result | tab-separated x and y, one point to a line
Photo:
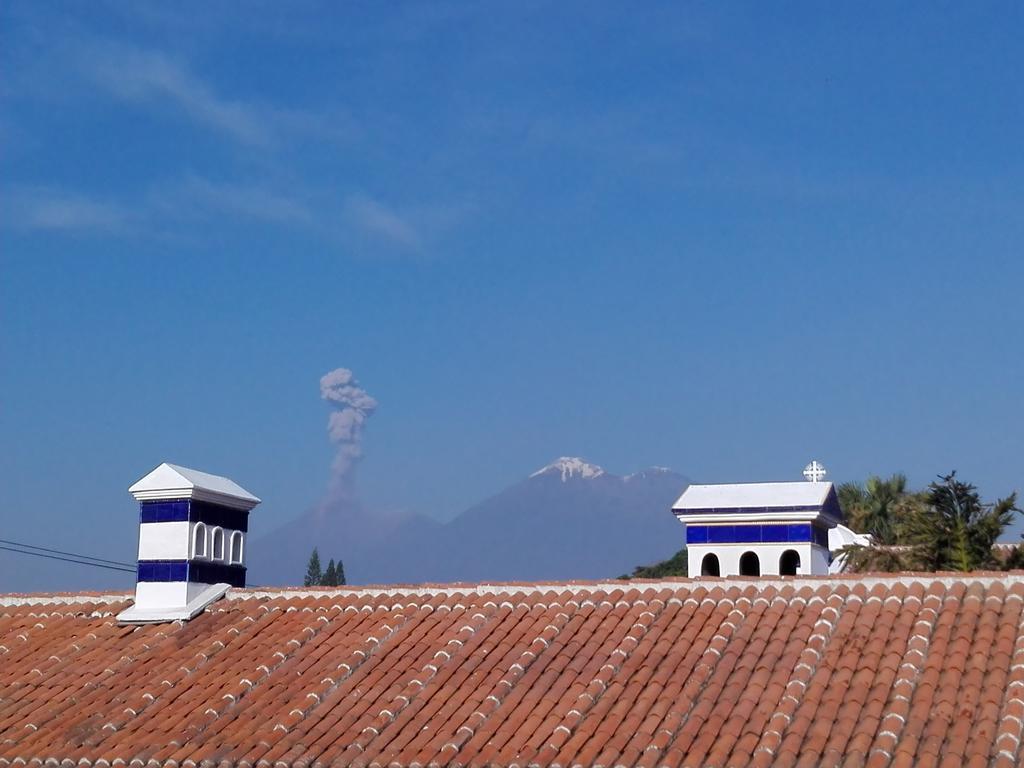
169	481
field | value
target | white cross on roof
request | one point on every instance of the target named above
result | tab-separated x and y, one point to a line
815	472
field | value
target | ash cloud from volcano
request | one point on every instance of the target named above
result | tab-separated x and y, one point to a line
352	406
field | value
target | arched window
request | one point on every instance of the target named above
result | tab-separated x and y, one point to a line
750	565
199	540
236	548
217	552
789	563
709	565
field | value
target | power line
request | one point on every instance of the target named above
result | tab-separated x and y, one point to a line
68	560
69	554
73	557
123	567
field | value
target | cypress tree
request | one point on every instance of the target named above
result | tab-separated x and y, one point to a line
330	578
314	576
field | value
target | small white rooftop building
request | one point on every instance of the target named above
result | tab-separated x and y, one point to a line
750	529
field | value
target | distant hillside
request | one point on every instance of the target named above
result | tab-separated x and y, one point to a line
568	520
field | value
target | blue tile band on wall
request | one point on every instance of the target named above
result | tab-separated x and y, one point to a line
216	573
163	511
193	511
163	570
757	534
196	571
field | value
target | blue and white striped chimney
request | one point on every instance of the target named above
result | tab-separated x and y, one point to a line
192	529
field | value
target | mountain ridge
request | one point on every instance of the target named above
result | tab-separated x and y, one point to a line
569	519
569	467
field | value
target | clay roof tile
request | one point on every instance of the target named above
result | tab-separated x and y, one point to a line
886	670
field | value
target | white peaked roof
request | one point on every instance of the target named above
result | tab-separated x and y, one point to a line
169	481
743	495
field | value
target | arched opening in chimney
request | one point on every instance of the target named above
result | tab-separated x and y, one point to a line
750	565
709	566
789	563
217	552
199	540
236	548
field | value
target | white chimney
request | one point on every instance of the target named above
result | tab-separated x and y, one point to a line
192	529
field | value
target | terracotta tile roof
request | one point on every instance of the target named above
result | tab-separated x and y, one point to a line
902	670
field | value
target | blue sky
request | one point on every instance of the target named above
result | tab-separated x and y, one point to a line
727	238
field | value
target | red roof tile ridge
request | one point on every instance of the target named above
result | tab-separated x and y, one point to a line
944	578
575	586
63	598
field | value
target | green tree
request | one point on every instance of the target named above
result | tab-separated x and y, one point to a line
957	531
330	578
674	566
340	574
313	573
880	507
885	510
1014	558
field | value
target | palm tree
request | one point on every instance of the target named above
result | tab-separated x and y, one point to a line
883	509
879	507
875	559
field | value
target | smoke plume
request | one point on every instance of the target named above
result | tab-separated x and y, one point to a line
353	406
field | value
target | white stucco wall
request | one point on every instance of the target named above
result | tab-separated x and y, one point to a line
176	541
813	559
168	595
161	594
164	541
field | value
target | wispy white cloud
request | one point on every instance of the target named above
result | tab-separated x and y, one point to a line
375	218
163	205
175	207
161	80
196	196
146	76
152	78
42	209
